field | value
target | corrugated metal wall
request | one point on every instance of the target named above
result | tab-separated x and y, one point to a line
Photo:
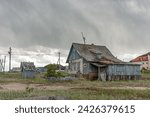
28	74
123	69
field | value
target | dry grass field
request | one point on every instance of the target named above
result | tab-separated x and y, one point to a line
12	86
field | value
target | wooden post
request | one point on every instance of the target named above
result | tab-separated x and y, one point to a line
99	73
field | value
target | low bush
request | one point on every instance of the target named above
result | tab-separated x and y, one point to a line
62	74
52	71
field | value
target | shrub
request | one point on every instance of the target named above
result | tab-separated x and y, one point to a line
62	74
51	70
145	70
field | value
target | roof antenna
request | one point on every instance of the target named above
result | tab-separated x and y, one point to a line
84	39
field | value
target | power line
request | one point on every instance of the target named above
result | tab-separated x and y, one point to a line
36	54
33	54
29	54
3	54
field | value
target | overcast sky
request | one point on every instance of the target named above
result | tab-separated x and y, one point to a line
41	28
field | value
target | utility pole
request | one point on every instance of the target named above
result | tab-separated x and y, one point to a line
10	52
84	39
4	64
1	67
59	60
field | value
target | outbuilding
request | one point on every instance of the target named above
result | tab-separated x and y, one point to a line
28	69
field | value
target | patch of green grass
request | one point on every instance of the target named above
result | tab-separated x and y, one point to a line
146	74
100	94
17	78
8	95
36	80
81	94
10	75
110	84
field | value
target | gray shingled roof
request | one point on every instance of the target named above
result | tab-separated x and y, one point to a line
27	66
95	53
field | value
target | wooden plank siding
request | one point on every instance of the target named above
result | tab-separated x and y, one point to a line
73	55
75	62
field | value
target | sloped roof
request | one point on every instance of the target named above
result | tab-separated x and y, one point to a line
145	54
27	66
95	53
141	58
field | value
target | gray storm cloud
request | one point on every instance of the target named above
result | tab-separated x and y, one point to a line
121	25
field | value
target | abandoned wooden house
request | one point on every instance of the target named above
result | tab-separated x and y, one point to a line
97	62
28	69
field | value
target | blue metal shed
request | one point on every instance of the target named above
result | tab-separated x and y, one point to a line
28	69
123	71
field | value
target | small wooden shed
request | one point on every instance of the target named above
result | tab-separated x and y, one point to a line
28	69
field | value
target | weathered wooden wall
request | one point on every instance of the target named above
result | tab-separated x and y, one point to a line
90	71
73	55
75	62
76	66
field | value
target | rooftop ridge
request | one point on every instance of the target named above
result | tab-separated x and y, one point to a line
88	44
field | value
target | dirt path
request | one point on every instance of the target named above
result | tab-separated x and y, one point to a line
20	86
